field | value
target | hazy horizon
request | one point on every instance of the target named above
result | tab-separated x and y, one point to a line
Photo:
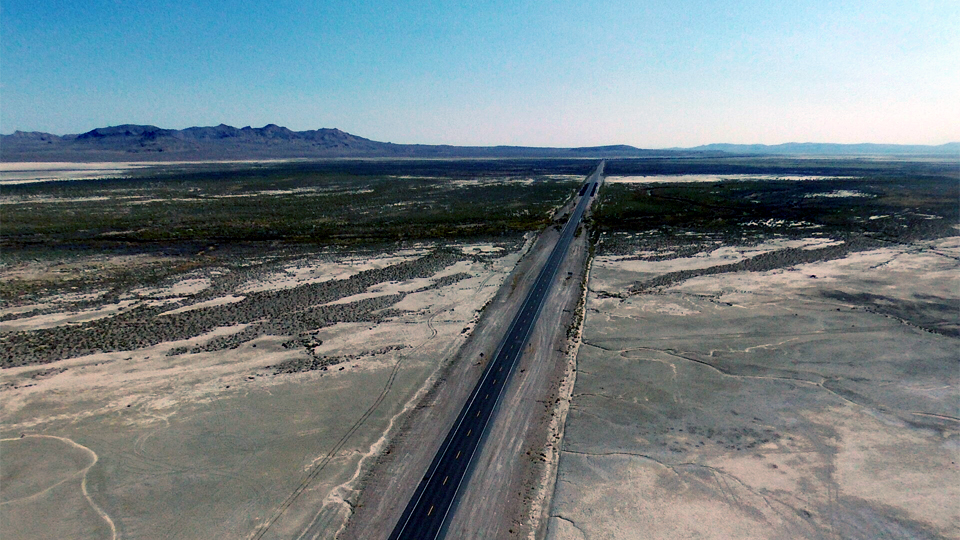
660	75
717	143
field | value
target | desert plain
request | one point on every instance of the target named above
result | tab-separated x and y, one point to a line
767	348
777	378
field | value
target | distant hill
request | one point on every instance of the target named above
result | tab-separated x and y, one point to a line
131	142
830	149
150	143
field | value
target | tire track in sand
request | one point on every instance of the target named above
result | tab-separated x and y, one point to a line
83	481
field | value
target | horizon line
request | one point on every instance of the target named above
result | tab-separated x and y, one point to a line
794	142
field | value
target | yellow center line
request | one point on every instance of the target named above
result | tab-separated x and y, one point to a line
430	511
458	456
445	478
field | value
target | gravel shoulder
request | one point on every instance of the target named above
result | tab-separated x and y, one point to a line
399	469
506	491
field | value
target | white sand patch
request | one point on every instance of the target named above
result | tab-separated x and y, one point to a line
480	248
641	253
491	182
948	245
185	287
706	259
394	287
31	172
774	223
223	300
146	376
693	178
352	338
172	199
48	200
317	271
51	320
896	272
486	280
454	294
268	192
837	194
28	173
457	268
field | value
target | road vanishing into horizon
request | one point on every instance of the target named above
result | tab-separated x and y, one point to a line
425	517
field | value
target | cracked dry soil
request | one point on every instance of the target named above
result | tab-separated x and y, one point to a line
812	399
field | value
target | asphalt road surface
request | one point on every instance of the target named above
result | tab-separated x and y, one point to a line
425	517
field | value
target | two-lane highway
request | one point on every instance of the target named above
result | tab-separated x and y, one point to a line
425	517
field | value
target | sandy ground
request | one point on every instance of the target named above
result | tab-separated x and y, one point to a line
42	171
215	443
812	401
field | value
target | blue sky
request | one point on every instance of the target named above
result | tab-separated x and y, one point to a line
651	74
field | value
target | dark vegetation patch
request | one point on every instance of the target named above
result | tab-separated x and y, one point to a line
331	203
784	166
296	311
894	201
760	263
322	363
681	220
235	224
888	202
886	209
251	220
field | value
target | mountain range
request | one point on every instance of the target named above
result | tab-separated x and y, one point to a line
830	149
131	142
